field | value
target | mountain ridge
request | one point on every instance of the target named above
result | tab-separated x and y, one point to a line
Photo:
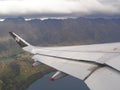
62	31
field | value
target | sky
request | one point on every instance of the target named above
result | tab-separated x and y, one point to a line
59	8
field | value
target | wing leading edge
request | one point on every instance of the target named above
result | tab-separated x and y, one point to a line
91	63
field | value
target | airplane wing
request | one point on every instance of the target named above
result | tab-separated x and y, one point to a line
98	65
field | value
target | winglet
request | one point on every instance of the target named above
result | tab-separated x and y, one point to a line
22	43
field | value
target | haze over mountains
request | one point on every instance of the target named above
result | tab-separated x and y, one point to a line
60	31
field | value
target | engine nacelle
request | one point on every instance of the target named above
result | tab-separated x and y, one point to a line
58	75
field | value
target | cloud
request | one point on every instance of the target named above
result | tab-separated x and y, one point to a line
59	8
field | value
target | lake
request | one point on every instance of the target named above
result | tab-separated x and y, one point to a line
66	83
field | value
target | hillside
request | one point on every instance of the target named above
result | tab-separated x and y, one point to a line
61	32
16	72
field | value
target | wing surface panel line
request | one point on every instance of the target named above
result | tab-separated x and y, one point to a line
86	51
87	61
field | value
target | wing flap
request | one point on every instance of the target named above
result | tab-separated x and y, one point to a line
77	69
114	63
104	78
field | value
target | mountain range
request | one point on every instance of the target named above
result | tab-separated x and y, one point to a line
71	31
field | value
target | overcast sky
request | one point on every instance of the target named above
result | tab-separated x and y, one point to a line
59	8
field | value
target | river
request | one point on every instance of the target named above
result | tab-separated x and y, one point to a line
66	83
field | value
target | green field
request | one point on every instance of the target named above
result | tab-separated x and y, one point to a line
16	72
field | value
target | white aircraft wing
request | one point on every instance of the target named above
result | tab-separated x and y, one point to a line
98	65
